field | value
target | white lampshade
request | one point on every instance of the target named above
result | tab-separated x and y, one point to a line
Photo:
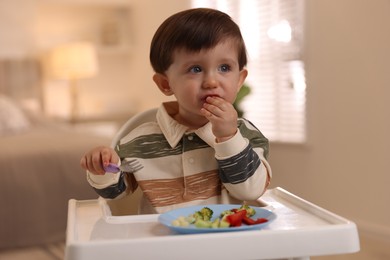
73	61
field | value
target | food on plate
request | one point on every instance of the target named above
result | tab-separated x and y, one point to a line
229	218
204	214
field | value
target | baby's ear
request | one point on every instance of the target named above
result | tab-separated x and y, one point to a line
243	75
162	83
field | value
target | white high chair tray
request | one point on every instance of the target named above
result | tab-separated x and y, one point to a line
300	230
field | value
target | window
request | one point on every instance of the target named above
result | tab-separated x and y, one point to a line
272	30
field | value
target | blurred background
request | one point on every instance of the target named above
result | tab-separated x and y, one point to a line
85	64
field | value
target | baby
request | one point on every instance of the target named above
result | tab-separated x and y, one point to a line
197	151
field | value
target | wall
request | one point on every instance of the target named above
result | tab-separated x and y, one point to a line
148	15
344	166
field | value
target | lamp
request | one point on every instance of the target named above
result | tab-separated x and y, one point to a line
72	62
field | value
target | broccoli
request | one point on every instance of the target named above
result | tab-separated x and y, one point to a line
249	211
225	213
197	215
203	214
207	213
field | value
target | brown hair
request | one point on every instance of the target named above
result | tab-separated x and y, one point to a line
193	30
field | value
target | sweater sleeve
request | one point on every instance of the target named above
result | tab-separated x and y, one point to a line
243	167
110	185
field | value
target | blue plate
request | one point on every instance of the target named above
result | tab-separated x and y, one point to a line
167	218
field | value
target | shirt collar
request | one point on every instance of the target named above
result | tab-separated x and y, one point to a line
173	131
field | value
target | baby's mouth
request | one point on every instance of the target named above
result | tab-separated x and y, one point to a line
205	97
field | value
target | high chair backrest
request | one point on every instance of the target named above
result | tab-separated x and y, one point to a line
133	122
129	204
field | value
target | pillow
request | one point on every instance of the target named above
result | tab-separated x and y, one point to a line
12	118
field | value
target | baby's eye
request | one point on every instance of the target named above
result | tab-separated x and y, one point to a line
224	68
195	69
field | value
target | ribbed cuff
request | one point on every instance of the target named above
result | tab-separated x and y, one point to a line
231	147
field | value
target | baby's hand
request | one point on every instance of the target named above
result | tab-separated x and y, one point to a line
223	117
95	160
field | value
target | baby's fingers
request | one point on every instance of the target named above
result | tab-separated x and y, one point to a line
216	105
95	160
86	163
206	113
83	163
108	155
95	164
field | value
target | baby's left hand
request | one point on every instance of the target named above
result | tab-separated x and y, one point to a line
223	117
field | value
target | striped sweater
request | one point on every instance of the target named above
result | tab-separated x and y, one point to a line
185	168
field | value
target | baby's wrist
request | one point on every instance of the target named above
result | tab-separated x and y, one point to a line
225	138
231	147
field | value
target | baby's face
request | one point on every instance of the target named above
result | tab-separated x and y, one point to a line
193	76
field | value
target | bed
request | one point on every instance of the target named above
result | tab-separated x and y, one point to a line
39	173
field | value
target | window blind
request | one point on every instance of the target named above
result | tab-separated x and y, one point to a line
273	31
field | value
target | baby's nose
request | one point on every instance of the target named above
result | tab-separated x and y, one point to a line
210	82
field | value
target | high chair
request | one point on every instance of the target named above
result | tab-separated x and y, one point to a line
133	122
128	205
